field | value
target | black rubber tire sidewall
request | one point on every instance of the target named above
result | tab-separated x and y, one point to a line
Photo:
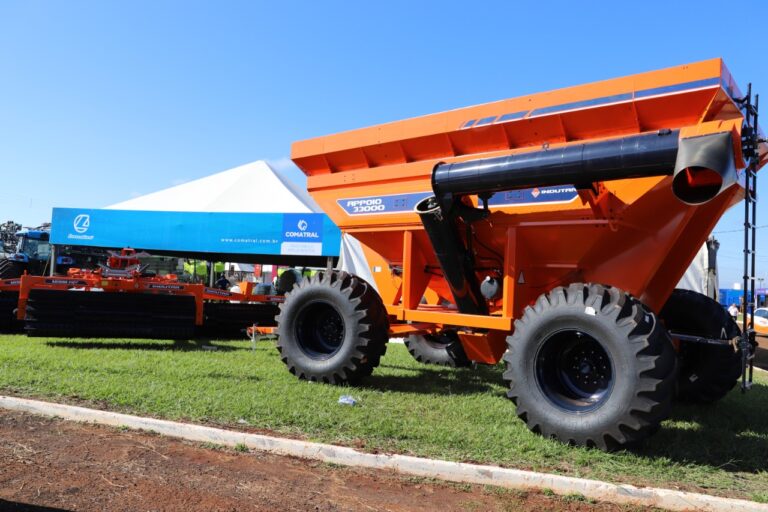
365	329
641	354
302	299
623	363
12	269
430	349
706	372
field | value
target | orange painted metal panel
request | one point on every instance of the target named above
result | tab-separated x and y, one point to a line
484	348
403	330
347	148
451	317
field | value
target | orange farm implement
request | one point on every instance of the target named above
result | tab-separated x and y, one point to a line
119	300
547	231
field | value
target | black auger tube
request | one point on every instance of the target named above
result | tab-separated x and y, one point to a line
453	257
636	156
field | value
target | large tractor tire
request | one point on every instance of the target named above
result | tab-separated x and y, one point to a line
287	280
706	373
332	328
11	269
590	365
442	349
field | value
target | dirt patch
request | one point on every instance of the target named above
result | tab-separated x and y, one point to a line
49	464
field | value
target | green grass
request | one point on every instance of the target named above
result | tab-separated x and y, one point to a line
404	407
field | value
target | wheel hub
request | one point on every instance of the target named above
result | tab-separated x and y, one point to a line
574	371
319	330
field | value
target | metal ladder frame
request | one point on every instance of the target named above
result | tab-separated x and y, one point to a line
750	141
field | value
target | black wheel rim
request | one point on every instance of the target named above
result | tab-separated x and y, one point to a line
319	330
574	371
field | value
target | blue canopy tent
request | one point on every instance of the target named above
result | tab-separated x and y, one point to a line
248	214
280	238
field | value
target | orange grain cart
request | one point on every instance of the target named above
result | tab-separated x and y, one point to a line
551	228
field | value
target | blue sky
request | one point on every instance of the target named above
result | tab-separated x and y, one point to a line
103	101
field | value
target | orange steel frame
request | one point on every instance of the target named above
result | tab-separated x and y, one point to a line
88	281
630	233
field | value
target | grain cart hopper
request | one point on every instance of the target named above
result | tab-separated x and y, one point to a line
548	231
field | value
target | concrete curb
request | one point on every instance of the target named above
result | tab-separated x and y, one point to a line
444	470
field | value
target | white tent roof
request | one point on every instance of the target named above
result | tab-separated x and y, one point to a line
250	188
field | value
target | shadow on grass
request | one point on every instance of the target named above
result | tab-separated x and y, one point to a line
731	434
436	380
180	345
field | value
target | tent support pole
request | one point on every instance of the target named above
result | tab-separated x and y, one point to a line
52	270
329	264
